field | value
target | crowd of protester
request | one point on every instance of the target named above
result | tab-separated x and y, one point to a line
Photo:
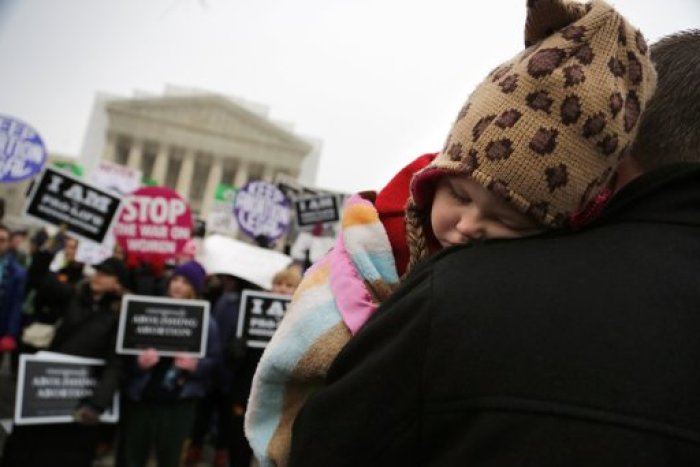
170	406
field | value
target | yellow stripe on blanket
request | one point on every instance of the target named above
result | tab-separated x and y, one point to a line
359	214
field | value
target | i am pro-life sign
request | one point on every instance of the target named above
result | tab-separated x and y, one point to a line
58	198
168	325
314	210
259	315
50	386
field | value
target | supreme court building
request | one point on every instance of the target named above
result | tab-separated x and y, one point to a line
192	142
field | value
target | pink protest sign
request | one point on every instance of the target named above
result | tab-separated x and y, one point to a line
154	221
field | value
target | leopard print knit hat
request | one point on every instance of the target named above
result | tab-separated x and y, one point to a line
546	129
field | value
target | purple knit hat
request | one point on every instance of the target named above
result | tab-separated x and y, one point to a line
194	273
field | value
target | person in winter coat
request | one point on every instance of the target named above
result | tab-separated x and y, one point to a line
64	264
514	164
12	282
577	349
88	329
161	392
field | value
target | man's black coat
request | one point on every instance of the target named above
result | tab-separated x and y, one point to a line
569	350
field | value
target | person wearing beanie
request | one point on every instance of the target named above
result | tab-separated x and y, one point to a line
373	249
558	349
161	393
546	130
187	280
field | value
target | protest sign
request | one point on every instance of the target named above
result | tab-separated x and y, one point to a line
262	210
168	325
259	315
154	221
224	255
118	179
221	218
314	210
50	386
58	198
22	152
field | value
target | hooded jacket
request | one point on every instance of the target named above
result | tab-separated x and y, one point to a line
555	350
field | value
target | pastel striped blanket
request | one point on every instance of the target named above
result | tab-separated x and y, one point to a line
336	297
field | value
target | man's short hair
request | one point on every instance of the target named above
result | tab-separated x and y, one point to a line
670	127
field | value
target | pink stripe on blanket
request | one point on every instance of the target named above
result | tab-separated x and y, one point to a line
351	295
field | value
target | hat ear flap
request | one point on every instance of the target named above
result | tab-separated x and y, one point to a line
544	17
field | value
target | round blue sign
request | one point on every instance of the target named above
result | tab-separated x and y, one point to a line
22	152
261	209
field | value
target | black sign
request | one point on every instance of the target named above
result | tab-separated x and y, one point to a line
59	198
50	387
259	316
290	192
168	325
316	210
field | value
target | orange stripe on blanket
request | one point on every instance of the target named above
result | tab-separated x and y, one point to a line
359	215
317	276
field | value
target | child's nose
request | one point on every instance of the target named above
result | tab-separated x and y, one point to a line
471	224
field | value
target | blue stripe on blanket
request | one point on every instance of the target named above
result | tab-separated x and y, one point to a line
376	266
307	327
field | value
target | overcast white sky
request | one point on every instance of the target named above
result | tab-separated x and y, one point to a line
378	81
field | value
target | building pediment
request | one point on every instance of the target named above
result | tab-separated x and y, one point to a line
210	114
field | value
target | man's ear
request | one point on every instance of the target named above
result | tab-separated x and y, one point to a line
627	170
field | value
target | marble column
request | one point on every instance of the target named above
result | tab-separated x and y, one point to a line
184	178
213	179
135	155
268	173
110	149
241	177
160	166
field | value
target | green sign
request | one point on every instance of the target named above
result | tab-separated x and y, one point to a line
225	192
74	168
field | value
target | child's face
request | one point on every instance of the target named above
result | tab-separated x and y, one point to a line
464	211
179	287
283	287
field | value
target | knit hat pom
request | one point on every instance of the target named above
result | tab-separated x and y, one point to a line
544	17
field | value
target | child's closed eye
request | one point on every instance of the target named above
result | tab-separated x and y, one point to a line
459	196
